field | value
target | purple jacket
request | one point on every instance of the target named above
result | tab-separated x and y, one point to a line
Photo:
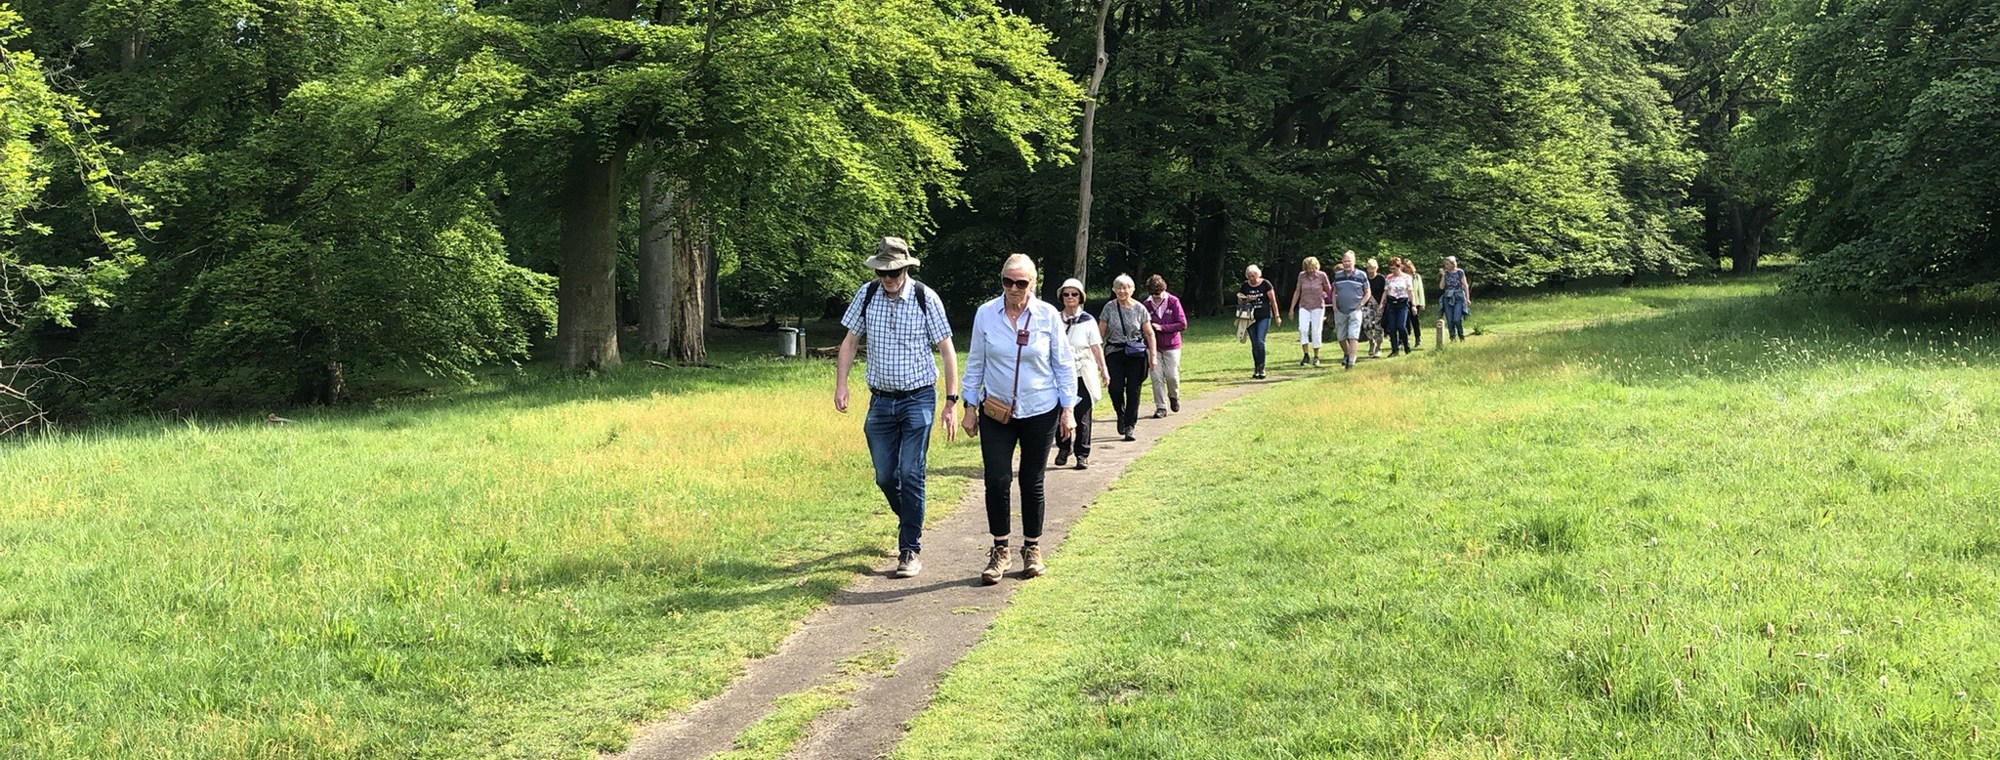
1169	319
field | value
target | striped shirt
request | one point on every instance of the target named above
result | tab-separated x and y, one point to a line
900	334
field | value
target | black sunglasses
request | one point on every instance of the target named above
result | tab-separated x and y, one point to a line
1013	283
889	274
1071	294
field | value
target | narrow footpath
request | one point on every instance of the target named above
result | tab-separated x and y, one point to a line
926	623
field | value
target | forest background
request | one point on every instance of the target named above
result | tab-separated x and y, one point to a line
247	204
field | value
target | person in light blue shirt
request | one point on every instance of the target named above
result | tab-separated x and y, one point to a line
1019	357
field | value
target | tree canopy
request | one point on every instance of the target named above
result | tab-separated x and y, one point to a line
325	191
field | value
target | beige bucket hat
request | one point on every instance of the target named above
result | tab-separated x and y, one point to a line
892	254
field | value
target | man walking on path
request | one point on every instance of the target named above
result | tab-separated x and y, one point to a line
902	321
1350	292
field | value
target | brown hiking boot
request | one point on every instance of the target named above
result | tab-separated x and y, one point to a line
996	566
1031	561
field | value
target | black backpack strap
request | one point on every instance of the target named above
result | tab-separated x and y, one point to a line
876	287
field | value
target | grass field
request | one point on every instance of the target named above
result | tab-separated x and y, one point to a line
1685	521
526	569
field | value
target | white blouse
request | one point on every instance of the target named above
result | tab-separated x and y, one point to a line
1082	336
990	368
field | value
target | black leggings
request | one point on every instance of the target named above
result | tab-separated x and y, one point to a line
1034	435
1128	374
1078	441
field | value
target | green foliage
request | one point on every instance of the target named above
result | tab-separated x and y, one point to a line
351	233
1898	102
44	132
1532	139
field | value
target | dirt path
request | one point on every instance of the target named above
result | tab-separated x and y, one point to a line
922	624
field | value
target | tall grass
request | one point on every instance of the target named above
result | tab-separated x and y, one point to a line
525	569
1688	521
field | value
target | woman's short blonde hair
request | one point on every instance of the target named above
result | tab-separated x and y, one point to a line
1312	263
1019	261
1373	265
1123	281
1253	269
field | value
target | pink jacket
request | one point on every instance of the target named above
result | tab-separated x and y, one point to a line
1169	319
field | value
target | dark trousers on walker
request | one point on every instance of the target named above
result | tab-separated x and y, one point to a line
1128	375
1078	442
899	443
1396	322
997	442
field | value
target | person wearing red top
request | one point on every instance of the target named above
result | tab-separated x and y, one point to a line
1169	320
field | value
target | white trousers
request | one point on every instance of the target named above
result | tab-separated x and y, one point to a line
1167	381
1312	322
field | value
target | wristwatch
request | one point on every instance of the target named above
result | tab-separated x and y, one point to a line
951	398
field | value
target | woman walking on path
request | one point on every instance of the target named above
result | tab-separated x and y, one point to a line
1169	320
1087	351
1396	309
1309	302
1261	298
1457	298
1417	303
1020	388
1128	331
1371	322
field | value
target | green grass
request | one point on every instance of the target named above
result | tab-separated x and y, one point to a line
1687	521
525	569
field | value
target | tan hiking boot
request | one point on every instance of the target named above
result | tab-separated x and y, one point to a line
996	566
1031	562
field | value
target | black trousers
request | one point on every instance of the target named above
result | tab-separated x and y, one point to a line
1128	375
1416	324
1078	442
997	442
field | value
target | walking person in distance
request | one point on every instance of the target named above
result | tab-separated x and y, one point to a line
1457	299
1086	345
1309	303
1350	303
1169	320
1260	298
1131	350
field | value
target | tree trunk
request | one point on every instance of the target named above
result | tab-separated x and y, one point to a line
656	264
1742	249
1084	198
690	309
711	283
586	294
1207	256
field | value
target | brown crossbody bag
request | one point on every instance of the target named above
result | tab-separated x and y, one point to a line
993	408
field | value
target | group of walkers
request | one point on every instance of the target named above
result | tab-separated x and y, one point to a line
1034	371
1370	308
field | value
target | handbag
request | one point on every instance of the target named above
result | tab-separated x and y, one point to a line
993	408
1130	349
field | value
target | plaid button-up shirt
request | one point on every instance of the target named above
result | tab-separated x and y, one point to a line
900	334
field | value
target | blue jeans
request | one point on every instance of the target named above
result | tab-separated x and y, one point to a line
1259	330
899	442
1396	322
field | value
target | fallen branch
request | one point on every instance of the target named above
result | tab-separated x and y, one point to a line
18	408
